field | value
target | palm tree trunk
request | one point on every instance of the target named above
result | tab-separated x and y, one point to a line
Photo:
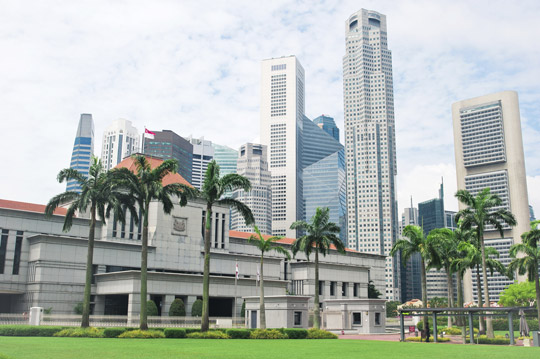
537	285
144	267
424	292
316	311
461	320
450	294
262	312
85	322
481	326
489	322
205	324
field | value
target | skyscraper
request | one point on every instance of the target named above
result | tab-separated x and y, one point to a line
253	164
167	144
203	153
411	286
370	147
282	115
120	140
83	149
226	158
328	125
489	153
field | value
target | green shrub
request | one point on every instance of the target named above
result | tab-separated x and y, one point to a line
243	310
215	334
192	330
177	309
499	339
151	309
196	309
78	309
267	334
28	330
113	332
296	333
175	333
80	333
315	333
142	334
238	333
450	331
417	339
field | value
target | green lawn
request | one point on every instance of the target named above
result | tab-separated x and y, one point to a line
83	348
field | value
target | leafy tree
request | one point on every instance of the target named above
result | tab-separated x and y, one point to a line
530	259
265	245
481	211
99	194
243	310
416	242
151	308
213	191
196	308
320	237
372	291
177	308
518	295
78	309
391	308
438	302
145	186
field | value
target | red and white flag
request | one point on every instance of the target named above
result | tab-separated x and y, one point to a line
237	276
148	133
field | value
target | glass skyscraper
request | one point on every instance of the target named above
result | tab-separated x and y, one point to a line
83	149
328	125
226	158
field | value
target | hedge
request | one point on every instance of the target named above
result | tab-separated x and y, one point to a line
296	333
196	308
417	339
208	335
267	334
499	340
175	333
238	333
151	308
113	332
315	333
80	333
28	330
142	334
177	308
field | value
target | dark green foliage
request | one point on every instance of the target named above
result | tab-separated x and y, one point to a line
177	309
78	309
438	302
213	334
498	340
238	333
28	331
373	292
391	308
296	333
196	309
113	332
267	334
243	310
175	333
418	339
192	330
151	308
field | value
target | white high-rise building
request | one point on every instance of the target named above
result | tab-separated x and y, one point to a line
489	153
370	141
203	153
282	114
252	163
120	140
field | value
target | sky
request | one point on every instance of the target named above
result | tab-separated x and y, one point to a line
194	67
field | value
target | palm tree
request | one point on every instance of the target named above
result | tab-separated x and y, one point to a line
416	242
530	260
265	245
481	211
213	190
321	237
146	186
99	193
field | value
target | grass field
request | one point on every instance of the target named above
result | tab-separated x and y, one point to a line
86	348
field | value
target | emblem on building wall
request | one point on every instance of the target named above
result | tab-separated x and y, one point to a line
179	225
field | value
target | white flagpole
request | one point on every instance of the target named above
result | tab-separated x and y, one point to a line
235	291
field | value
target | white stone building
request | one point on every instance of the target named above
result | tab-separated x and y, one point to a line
120	140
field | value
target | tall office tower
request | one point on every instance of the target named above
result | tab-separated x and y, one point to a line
489	153
328	125
450	220
167	144
226	158
323	166
531	214
83	149
370	141
120	140
282	115
411	286
253	164
203	153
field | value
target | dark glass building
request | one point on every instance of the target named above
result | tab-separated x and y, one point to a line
167	144
83	149
328	125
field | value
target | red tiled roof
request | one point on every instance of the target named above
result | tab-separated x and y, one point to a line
129	163
284	240
29	207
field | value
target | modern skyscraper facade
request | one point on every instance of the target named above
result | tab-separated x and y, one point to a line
411	285
323	166
370	149
282	115
83	149
203	153
226	158
489	153
253	164
120	140
328	125
167	144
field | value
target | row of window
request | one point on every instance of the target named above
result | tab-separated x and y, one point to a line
16	255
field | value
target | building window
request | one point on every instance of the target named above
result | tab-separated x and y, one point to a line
377	318
333	286
297	318
17	256
3	249
344	287
355	289
321	287
357	318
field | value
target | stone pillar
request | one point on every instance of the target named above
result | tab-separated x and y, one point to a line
189	304
99	305
134	308
166	305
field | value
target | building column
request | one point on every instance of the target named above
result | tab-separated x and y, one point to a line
166	305
189	304
99	305
134	308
